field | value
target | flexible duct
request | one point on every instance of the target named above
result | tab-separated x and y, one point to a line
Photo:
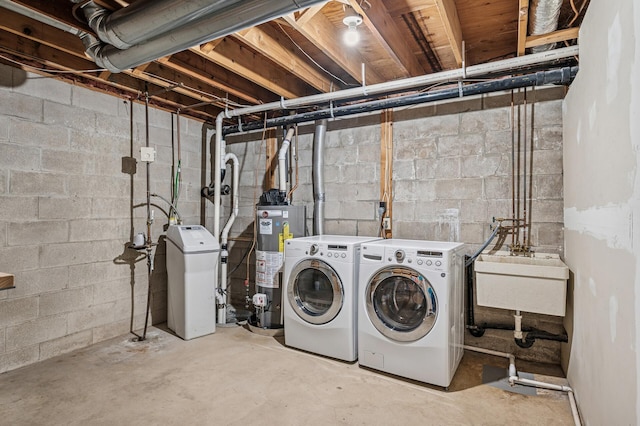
318	177
282	159
233	17
543	19
145	19
222	294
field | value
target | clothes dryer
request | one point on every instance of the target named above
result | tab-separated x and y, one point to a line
321	284
411	317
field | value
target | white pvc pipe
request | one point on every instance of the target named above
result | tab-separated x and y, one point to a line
222	310
412	82
396	85
282	159
514	379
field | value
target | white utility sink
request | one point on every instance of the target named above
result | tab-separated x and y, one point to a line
529	284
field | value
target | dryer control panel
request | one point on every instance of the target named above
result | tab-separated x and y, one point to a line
335	252
423	259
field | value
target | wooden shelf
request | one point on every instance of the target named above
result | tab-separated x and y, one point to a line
6	281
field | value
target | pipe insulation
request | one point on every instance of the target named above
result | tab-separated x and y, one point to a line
224	253
233	17
543	19
282	159
558	76
145	19
318	177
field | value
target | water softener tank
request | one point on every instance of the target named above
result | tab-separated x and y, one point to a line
277	221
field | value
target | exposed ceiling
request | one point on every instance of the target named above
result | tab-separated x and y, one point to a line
296	55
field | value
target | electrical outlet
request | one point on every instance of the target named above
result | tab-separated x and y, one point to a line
386	223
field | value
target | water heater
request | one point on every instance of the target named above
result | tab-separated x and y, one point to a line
276	223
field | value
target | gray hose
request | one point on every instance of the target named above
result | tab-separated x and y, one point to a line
171	204
484	246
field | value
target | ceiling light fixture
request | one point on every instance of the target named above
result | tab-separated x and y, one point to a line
351	20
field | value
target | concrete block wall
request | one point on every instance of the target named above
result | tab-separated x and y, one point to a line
68	210
451	176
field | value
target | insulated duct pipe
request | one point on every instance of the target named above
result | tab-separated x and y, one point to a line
224	253
318	177
282	159
224	21
33	14
145	19
558	76
543	19
512	64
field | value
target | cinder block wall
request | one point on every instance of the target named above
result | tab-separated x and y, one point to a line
68	209
451	176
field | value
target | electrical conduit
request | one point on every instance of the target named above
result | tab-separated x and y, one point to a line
224	254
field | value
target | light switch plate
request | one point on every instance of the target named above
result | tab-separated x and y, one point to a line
147	154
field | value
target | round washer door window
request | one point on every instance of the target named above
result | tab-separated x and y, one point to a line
315	292
401	304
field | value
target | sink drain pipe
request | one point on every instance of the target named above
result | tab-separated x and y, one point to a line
514	379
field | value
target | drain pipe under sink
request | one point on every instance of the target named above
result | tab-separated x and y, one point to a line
514	379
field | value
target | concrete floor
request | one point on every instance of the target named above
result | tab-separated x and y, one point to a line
235	377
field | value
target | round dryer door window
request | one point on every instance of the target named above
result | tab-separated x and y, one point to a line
315	292
401	304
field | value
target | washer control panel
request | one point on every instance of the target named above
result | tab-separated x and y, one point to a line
335	252
432	260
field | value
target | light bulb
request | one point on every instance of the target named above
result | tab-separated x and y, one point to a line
351	36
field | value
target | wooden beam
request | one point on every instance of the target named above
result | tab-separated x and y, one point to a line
256	68
377	20
554	37
451	21
6	281
273	45
271	180
323	34
523	22
303	17
386	164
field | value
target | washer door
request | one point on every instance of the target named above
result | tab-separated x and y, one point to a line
315	291
401	303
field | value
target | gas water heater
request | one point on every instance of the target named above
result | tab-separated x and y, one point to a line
277	221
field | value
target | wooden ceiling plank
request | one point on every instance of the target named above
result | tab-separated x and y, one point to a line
553	37
451	21
271	44
523	22
320	32
376	18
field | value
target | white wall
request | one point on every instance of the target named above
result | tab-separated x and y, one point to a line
602	213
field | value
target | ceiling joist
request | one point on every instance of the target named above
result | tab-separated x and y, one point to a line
377	20
451	22
523	23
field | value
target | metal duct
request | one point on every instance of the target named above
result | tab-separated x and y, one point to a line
233	17
318	177
145	19
543	19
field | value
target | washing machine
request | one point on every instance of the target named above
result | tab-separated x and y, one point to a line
410	309
321	284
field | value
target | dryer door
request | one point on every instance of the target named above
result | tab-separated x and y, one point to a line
315	291
401	303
